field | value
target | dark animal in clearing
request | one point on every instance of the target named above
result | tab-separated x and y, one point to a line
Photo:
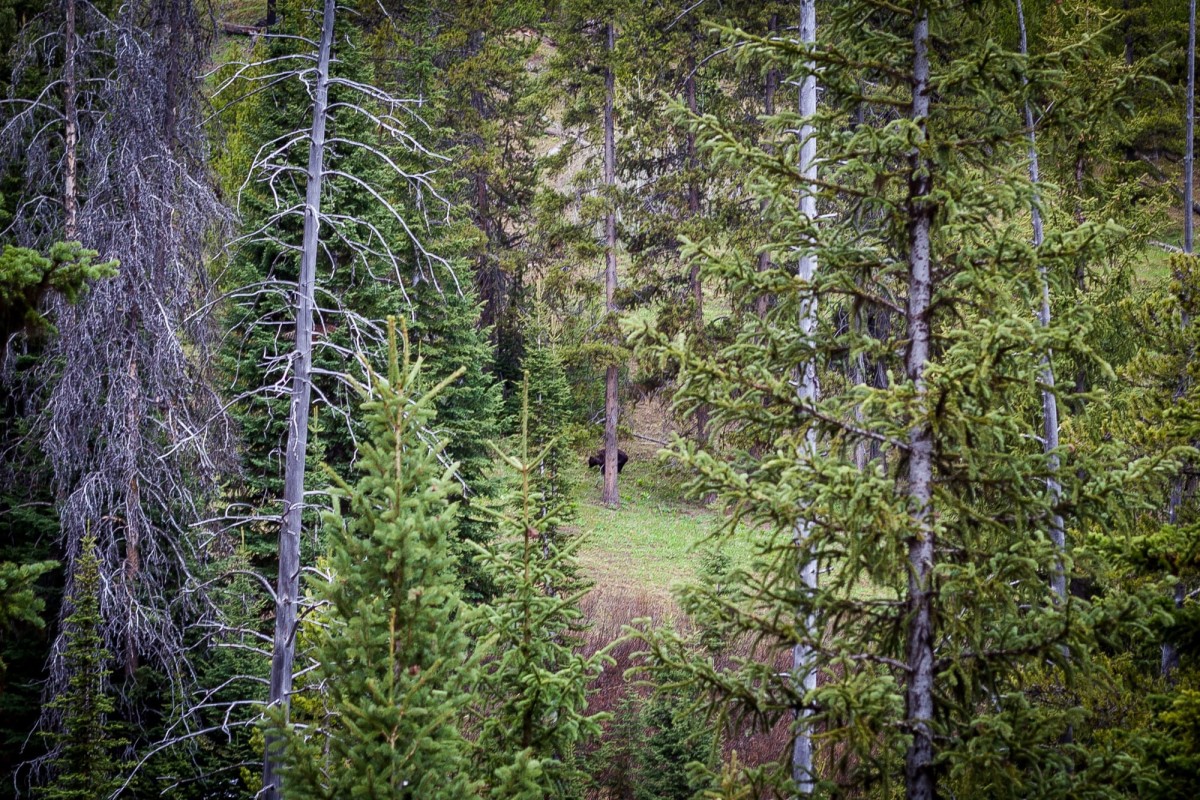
598	461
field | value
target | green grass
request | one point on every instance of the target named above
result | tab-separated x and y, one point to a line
655	539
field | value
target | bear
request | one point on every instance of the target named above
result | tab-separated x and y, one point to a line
598	460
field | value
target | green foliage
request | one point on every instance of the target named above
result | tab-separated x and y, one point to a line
549	414
83	766
389	645
846	504
1175	743
26	276
658	747
531	699
18	601
445	335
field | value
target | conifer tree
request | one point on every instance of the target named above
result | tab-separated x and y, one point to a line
587	63
550	407
531	699
491	116
83	764
951	526
389	644
445	334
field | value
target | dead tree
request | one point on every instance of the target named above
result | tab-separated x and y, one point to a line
1058	580
1170	653
287	588
129	422
332	240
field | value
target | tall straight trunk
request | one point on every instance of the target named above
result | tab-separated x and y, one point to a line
693	195
918	696
1058	581
762	303
489	277
803	673
1189	133
288	587
1127	31
71	130
1170	654
612	408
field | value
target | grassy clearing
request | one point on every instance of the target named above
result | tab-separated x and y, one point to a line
654	540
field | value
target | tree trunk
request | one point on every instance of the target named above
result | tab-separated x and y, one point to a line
1170	653
71	130
762	303
803	673
611	407
1127	32
133	510
1058	581
288	587
693	195
918	760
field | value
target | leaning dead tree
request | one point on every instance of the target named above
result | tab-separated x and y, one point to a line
112	152
361	143
1058	536
287	589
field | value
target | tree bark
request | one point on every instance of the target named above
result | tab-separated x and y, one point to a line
288	587
71	130
803	673
693	195
1058	581
762	303
1170	653
611	404
918	760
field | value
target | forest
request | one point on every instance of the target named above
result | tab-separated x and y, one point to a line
599	399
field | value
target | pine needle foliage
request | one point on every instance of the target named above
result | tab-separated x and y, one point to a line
389	644
27	276
933	607
531	700
83	765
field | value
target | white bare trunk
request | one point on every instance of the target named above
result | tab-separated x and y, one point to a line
918	760
1170	654
1058	582
70	130
288	587
803	673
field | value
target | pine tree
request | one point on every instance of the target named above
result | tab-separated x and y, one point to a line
83	764
531	699
389	644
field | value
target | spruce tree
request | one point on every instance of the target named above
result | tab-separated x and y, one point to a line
444	332
550	409
934	603
83	764
389	646
531	699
